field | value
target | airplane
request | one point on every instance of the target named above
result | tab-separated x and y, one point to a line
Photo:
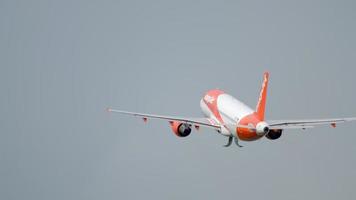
235	120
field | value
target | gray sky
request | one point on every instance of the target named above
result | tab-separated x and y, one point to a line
63	62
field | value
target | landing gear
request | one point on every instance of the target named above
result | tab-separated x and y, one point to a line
237	142
229	142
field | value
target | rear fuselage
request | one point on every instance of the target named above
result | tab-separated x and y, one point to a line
224	110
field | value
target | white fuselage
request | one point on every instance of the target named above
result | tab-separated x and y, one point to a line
224	109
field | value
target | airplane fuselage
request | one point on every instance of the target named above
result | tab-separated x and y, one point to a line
223	109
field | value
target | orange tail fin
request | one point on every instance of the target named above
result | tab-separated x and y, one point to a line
260	108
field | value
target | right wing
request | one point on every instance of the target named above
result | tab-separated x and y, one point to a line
303	124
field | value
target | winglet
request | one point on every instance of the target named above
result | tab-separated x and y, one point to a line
261	104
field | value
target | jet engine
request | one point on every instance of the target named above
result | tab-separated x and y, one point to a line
274	134
181	129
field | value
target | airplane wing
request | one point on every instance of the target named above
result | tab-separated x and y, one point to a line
193	121
303	124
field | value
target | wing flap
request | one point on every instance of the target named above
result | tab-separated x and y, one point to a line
283	127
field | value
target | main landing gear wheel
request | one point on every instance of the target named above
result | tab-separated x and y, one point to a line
237	142
229	142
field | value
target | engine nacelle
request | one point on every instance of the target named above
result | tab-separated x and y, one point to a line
181	129
274	134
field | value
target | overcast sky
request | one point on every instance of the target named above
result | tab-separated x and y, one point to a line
64	62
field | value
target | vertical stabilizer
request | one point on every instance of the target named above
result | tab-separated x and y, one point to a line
261	104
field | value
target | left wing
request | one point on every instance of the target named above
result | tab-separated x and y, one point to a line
193	121
303	124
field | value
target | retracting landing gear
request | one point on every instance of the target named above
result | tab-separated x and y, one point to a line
237	142
229	142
